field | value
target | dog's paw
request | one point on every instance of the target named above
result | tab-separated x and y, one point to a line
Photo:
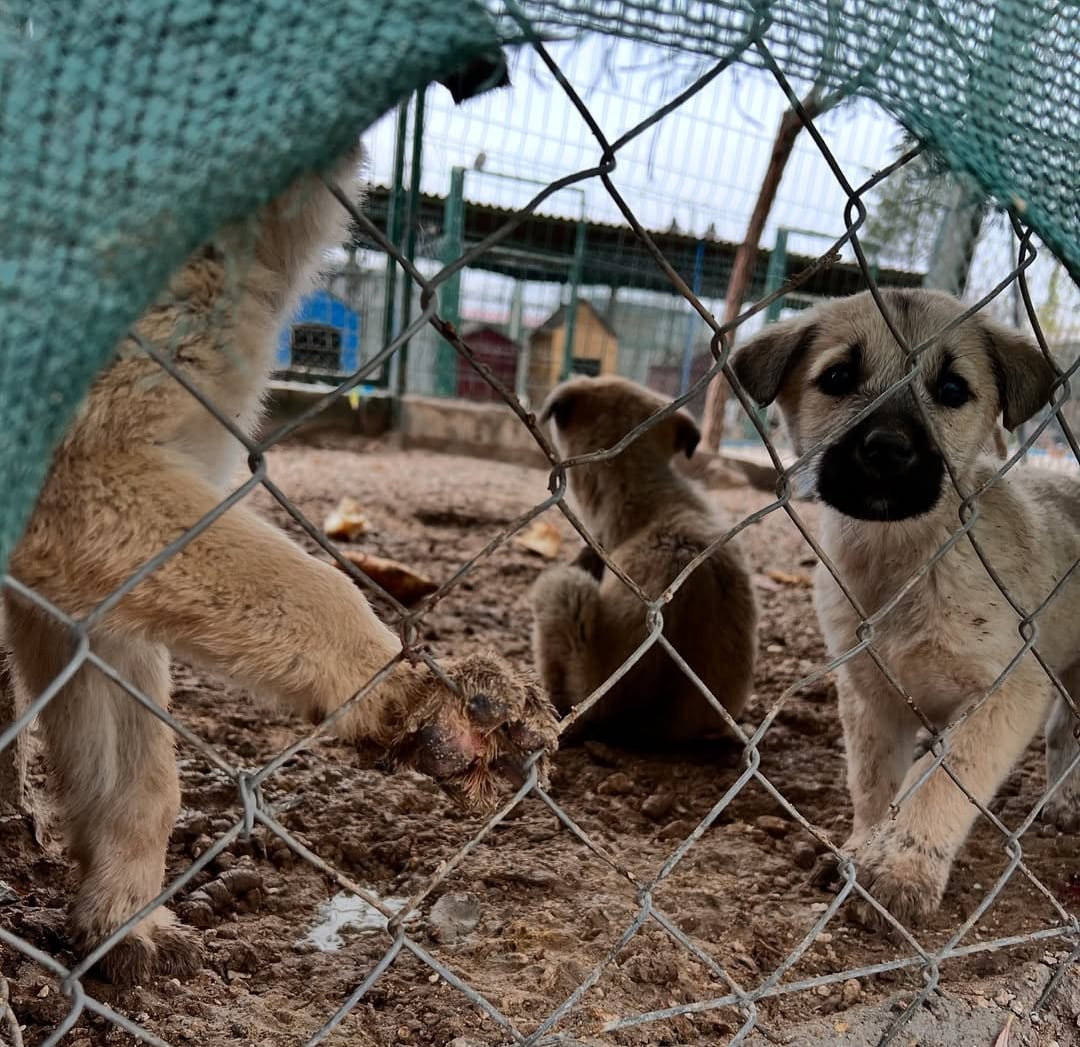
164	949
826	874
904	876
483	728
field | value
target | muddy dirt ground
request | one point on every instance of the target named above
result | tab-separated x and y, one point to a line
543	908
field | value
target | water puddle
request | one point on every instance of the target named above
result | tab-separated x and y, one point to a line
347	912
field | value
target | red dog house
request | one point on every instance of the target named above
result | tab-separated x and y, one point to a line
496	351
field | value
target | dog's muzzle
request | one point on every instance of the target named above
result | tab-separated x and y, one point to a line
885	468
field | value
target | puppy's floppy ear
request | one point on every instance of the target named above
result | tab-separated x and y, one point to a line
687	433
560	406
1024	376
766	360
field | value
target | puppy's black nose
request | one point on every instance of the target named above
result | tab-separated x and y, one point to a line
887	451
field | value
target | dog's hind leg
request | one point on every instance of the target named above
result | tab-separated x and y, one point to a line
114	771
565	605
565	609
1063	757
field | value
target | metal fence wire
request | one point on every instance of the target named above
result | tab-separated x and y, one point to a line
740	994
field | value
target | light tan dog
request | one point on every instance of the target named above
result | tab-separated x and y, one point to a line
889	507
142	463
652	522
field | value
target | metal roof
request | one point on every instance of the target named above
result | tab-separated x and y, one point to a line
541	248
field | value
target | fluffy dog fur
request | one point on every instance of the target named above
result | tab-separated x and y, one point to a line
652	522
889	506
142	463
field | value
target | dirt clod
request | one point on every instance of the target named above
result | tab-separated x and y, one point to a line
617	784
658	806
773	825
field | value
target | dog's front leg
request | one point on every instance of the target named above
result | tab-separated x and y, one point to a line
246	601
906	867
879	731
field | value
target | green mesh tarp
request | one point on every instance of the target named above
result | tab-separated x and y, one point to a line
992	86
130	129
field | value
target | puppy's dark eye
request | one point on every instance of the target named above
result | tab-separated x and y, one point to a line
838	380
952	391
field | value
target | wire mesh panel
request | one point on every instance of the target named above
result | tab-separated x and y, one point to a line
635	897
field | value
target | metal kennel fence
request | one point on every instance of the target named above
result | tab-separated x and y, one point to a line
741	995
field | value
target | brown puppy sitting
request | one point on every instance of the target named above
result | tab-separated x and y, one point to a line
652	522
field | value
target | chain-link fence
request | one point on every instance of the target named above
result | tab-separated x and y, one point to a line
741	987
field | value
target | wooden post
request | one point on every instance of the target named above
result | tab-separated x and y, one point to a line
742	269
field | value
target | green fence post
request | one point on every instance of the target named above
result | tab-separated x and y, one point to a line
412	214
775	275
577	266
450	298
393	222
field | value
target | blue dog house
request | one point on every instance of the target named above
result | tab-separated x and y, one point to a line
323	337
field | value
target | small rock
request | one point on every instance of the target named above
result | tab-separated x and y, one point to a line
453	916
657	806
617	784
804	855
200	845
850	992
464	1041
677	830
8	894
773	825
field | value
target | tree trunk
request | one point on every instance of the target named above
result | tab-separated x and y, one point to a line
958	234
742	270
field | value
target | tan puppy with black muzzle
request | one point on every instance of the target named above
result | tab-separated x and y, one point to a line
141	464
889	506
652	522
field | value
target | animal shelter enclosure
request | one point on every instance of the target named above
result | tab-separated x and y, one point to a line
639	897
